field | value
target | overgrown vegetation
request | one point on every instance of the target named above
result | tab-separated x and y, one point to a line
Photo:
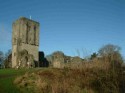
102	73
92	80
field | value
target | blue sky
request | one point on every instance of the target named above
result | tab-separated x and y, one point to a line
68	25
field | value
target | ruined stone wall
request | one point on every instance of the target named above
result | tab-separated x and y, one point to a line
31	50
60	60
25	36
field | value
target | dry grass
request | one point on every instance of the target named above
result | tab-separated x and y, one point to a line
86	80
98	76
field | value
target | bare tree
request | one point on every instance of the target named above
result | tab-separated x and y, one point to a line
8	59
111	53
109	49
8	53
1	58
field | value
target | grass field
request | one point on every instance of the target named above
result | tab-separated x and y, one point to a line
7	76
53	80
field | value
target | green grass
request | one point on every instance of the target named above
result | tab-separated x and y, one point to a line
7	77
7	86
11	71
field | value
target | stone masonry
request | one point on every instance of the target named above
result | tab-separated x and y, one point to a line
25	42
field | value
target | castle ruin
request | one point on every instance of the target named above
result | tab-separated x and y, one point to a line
25	43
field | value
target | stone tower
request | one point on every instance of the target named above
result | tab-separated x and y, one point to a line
25	42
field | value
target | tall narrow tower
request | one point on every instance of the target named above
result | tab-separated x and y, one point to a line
25	42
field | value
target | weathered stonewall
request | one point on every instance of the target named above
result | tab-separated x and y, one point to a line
25	42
